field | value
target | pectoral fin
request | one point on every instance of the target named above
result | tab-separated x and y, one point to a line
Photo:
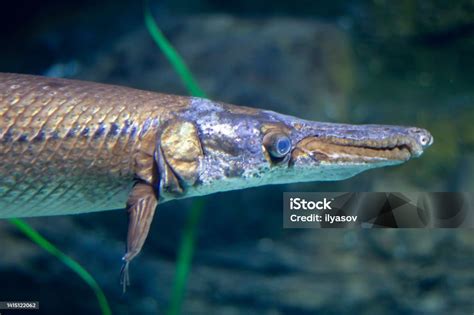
171	166
141	207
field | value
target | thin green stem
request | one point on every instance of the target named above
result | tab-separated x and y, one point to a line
172	55
68	261
185	256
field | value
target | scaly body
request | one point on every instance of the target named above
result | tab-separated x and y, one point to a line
73	147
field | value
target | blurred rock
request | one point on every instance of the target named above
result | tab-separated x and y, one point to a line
431	20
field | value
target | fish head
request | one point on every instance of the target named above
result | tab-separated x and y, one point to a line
241	147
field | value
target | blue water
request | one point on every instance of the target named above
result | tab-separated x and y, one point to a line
405	63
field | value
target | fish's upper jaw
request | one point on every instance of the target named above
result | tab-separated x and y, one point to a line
347	144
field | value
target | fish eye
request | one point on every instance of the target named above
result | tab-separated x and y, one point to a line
277	144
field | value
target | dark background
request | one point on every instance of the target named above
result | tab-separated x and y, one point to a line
404	62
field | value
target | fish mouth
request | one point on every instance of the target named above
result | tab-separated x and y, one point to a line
392	149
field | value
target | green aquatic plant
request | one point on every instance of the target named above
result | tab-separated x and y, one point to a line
186	250
31	233
172	55
189	235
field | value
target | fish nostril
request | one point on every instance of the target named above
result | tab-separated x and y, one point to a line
426	140
423	136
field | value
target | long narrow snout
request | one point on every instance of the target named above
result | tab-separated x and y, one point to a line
360	144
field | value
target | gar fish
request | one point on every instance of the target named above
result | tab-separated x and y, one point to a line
71	147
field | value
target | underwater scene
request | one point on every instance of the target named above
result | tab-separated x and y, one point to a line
404	63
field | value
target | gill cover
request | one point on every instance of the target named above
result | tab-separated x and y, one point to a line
178	155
